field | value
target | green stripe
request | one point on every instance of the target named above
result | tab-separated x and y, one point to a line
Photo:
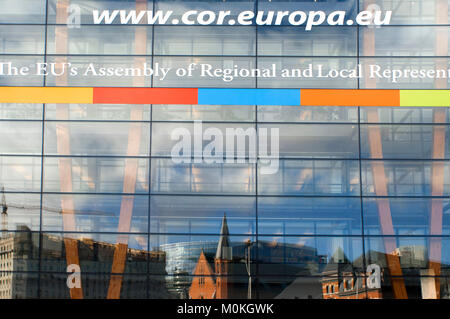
424	97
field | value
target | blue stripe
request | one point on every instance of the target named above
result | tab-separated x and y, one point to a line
249	96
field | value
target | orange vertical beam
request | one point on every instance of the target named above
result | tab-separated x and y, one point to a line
380	180
131	168
437	178
63	146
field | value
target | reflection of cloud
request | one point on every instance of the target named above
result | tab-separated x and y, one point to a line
84	175
21	169
301	242
19	138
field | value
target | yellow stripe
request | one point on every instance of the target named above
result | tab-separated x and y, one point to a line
46	95
425	98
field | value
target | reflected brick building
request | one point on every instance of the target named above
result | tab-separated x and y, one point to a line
19	257
342	279
213	285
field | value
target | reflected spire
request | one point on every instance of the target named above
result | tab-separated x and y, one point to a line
224	250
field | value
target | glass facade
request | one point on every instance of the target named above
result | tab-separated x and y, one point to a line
359	192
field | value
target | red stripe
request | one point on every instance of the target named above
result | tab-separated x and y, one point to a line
145	96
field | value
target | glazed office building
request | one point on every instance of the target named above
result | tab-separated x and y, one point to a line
362	186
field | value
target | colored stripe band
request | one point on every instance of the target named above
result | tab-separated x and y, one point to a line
205	96
350	97
145	96
249	96
46	95
425	97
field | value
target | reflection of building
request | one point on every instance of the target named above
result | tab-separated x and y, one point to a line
209	285
19	253
342	279
228	277
287	260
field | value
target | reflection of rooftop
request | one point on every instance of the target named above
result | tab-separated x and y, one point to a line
182	257
346	280
19	251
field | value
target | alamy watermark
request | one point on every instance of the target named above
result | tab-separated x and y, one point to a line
237	145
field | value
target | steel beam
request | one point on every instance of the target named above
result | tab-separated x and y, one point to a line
437	178
63	146
380	180
131	168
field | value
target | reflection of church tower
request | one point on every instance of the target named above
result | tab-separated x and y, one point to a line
222	260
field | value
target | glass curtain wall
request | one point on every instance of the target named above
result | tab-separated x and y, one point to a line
360	191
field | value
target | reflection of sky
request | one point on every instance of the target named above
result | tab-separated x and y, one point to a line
95	213
191	215
27	11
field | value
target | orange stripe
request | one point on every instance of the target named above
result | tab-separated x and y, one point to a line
145	96
45	95
311	97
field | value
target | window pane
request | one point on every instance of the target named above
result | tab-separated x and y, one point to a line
95	213
218	113
103	39
20	111
20	174
404	141
21	39
23	247
403	115
23	11
95	175
200	214
409	216
179	285
409	11
168	177
20	137
121	139
23	211
31	278
96	112
296	41
303	216
95	251
307	255
297	140
416	259
304	286
320	177
134	286
403	178
402	41
204	40
413	255
307	114
182	252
